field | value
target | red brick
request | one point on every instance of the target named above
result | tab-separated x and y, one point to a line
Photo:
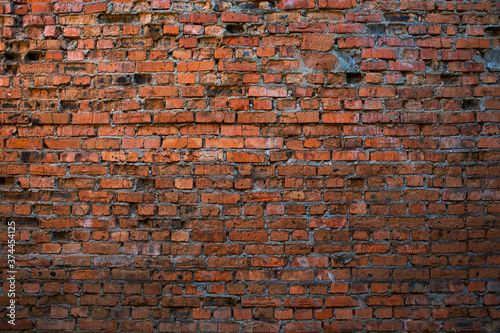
237	17
244	157
299	4
161	4
340	118
198	18
342	4
379	53
317	42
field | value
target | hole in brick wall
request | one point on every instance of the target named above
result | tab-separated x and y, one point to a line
353	78
492	31
34	56
377	29
3	180
235	28
61	235
10	56
470	104
450	79
10	69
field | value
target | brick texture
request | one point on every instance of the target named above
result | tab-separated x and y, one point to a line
251	166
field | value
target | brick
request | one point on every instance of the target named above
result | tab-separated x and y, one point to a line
320	61
161	4
298	4
263	143
379	53
377	92
406	66
240	66
155	66
198	18
317	42
237	17
193	30
343	4
342	118
244	157
220	198
95	8
194	66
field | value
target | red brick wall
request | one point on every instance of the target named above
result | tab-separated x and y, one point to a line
292	166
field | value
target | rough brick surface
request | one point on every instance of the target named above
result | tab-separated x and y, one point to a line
251	166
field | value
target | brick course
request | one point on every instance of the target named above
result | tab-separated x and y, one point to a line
260	166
